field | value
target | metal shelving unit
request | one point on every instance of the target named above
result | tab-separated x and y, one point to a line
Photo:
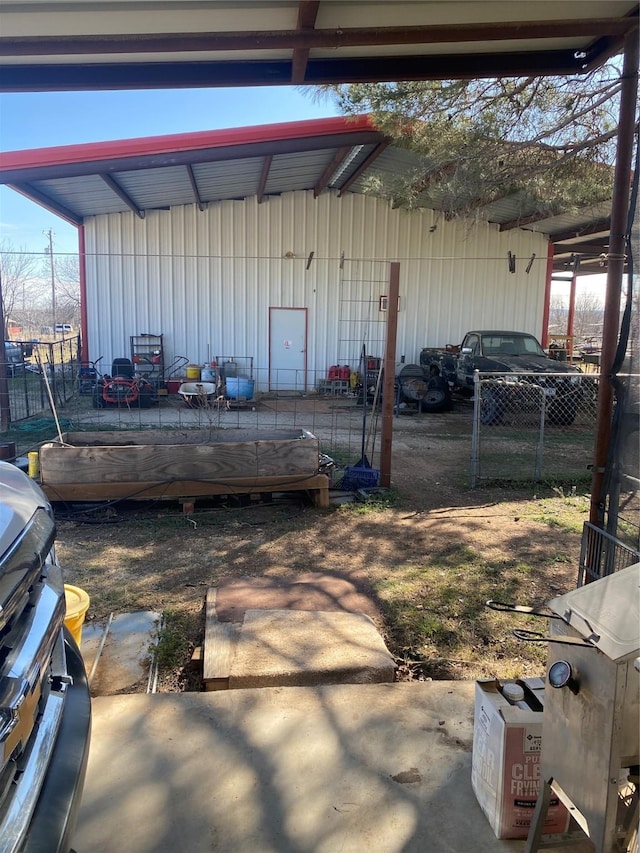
147	355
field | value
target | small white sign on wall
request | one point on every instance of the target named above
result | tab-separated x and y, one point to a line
383	302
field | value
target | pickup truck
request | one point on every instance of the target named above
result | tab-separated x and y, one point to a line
45	705
520	360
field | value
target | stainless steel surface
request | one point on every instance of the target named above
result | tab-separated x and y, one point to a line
591	726
606	611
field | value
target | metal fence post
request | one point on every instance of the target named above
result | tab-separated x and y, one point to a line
540	448
475	435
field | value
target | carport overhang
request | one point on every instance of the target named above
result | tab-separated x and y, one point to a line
101	44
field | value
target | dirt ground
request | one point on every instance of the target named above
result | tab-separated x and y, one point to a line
428	555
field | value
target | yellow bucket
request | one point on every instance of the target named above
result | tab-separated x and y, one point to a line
192	371
77	605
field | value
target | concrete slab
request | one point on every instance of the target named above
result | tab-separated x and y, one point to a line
300	647
349	768
124	657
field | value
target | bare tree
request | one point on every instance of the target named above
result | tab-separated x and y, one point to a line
557	315
20	281
588	317
67	276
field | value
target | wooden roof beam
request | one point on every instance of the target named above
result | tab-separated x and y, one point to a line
115	187
307	38
307	14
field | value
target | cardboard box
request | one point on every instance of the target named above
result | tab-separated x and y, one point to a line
505	767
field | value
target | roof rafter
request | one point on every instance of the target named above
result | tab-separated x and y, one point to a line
330	169
521	221
599	226
264	175
60	77
307	14
377	151
595	249
307	38
126	198
47	202
194	186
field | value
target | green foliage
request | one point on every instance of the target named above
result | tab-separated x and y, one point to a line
547	140
172	644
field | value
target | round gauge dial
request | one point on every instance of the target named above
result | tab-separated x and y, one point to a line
560	673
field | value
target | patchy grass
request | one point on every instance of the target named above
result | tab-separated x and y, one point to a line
372	502
172	644
566	510
439	621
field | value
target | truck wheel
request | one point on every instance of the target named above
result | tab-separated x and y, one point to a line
562	412
491	409
437	397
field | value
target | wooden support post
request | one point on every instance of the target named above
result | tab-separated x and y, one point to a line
389	375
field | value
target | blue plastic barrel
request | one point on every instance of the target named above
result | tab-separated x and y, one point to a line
239	386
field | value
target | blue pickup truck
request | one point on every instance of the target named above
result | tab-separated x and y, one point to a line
519	360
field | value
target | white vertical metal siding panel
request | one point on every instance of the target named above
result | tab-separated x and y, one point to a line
206	279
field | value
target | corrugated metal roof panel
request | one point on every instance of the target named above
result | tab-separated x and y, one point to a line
229	179
83	195
155	188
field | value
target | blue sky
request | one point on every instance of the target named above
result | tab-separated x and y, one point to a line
44	119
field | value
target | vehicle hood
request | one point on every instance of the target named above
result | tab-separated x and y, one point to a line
20	497
530	364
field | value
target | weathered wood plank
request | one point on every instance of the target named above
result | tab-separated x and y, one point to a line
318	485
220	640
147	463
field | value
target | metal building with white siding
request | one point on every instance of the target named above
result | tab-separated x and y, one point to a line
262	244
211	281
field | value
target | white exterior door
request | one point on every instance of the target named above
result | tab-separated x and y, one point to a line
287	349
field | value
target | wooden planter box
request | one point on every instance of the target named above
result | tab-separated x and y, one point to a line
179	463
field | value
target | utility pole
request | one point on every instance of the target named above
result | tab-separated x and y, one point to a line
49	251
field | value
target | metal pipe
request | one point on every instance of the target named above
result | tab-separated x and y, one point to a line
547	296
571	316
84	321
617	245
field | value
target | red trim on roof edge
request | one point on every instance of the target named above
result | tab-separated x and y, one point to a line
96	151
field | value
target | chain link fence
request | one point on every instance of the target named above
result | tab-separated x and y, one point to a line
533	427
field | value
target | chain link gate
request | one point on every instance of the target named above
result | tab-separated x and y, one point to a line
532	427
